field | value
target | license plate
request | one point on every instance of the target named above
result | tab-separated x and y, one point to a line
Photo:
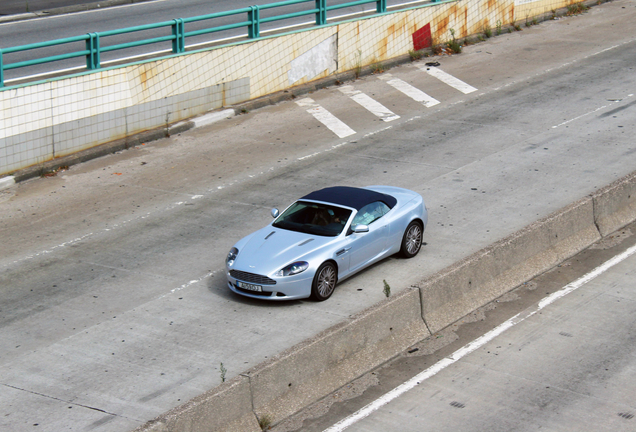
249	287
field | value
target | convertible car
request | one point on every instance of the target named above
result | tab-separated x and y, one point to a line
325	237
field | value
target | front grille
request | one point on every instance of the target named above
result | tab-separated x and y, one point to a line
252	278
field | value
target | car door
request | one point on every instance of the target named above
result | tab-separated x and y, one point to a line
367	246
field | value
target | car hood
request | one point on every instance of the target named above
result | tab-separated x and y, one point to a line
270	249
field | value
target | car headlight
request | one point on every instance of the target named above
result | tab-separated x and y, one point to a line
292	269
231	256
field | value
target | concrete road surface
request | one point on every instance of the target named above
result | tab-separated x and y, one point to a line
113	299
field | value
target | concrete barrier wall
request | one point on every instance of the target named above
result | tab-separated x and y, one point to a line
326	362
482	277
313	369
304	374
615	205
46	120
228	407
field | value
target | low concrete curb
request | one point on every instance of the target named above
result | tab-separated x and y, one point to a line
99	151
6	182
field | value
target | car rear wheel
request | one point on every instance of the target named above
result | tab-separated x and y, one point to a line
412	240
324	282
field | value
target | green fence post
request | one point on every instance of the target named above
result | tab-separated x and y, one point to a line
178	32
253	16
92	46
321	15
1	70
381	6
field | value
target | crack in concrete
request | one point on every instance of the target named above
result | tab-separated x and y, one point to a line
67	402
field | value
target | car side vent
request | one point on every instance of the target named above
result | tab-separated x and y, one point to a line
270	234
343	251
305	242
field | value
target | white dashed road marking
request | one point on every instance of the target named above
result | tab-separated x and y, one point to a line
410	91
370	104
326	118
448	79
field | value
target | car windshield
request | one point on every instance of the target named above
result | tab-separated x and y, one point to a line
313	218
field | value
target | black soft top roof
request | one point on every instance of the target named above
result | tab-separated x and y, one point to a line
350	196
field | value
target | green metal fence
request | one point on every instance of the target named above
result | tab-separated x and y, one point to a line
178	34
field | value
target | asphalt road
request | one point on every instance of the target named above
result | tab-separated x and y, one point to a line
14	7
567	366
113	301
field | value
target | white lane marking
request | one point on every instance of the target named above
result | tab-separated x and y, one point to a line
93	234
333	147
410	91
477	343
325	117
592	112
369	103
448	79
188	284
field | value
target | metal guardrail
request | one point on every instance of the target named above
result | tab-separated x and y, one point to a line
94	49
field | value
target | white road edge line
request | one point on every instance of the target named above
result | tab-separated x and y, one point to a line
593	111
477	343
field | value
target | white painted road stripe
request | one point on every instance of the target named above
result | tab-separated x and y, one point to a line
412	92
477	343
448	79
326	118
370	104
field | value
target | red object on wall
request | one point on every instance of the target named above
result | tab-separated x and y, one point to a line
422	38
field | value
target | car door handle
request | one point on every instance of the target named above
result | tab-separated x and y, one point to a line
343	251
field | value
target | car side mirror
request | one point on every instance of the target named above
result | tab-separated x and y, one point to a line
275	213
361	229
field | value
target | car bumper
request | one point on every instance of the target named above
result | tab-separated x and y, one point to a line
287	288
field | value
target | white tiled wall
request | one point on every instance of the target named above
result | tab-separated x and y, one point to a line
42	121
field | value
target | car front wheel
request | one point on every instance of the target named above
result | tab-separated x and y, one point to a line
324	282
412	240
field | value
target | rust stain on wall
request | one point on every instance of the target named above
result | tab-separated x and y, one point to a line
465	22
382	48
393	32
442	26
144	80
383	45
148	72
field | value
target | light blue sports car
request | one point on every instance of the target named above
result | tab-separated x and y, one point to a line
325	237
